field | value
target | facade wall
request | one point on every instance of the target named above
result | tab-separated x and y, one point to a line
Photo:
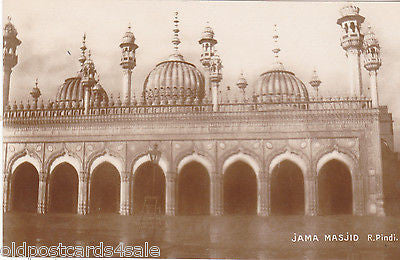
262	140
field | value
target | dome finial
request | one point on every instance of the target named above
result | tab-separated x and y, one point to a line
175	39
277	64
9	19
276	49
83	48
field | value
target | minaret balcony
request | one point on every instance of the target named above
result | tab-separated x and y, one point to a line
353	41
372	64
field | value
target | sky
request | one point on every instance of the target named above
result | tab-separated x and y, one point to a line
51	34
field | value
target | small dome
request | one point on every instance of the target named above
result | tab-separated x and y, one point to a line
72	90
370	39
9	30
208	32
174	80
281	84
128	38
241	81
349	10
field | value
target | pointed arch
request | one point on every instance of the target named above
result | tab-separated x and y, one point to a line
64	158
106	157
290	156
143	158
195	157
340	156
23	157
240	156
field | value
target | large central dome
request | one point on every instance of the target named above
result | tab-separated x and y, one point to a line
174	81
281	85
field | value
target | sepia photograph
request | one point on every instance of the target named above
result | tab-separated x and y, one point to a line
200	129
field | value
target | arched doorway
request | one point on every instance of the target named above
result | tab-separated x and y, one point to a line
240	190
24	188
63	189
105	189
194	190
335	189
148	182
287	189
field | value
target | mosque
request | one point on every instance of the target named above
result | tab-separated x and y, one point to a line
182	148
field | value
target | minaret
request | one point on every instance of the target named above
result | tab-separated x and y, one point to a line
35	93
207	43
315	82
215	78
10	57
351	42
88	81
372	62
242	84
128	63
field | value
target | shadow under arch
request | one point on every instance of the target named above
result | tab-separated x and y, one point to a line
63	189
240	189
287	189
148	181
105	185
193	189
335	194
24	188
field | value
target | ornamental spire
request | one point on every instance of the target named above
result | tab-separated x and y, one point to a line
83	48
175	39
277	65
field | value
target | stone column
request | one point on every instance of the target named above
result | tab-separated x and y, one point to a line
125	203
171	193
42	194
355	72
358	195
126	86
86	99
6	85
217	192
83	193
6	191
374	88
310	190
214	91
262	194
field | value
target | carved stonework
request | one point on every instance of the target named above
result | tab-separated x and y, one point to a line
126	177
83	177
43	177
171	177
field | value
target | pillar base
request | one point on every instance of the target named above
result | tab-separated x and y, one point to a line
125	209
82	209
41	208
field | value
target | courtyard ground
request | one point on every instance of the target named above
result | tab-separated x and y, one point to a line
239	237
